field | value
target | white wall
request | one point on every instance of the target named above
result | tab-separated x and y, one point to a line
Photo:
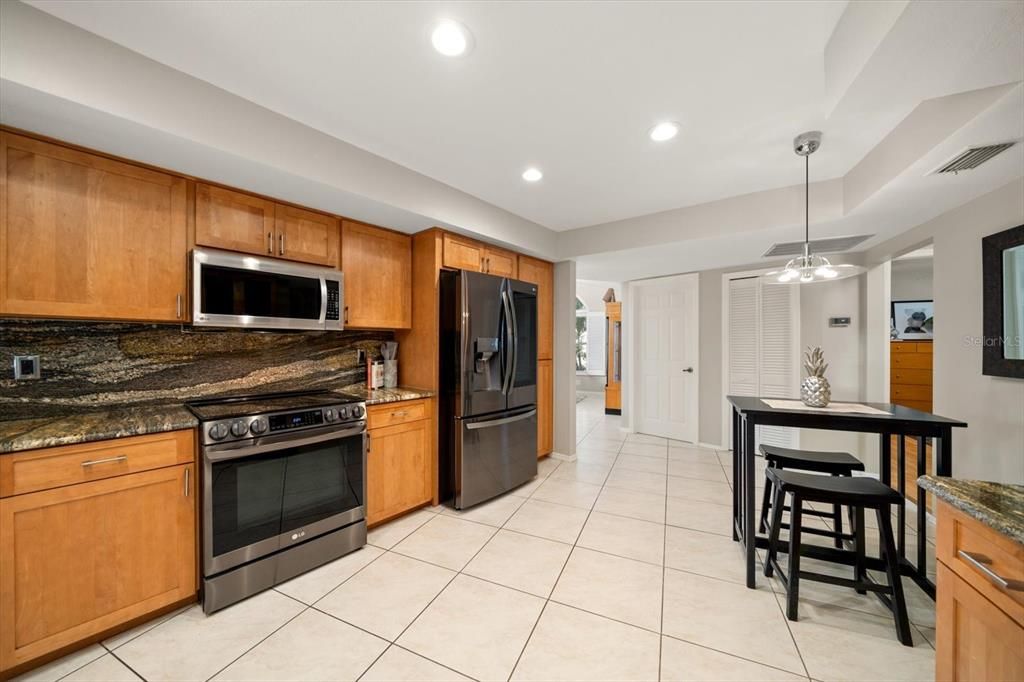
992	446
591	292
912	280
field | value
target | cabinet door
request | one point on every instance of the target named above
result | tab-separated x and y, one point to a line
500	262
377	265
85	236
463	254
397	470
545	403
541	273
78	560
975	640
235	221
306	236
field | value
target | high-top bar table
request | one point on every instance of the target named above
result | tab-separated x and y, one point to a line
749	413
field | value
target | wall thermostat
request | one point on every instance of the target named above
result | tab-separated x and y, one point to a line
839	322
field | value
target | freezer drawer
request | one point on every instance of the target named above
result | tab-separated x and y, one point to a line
494	454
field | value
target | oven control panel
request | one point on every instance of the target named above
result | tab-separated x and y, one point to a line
296	420
254	426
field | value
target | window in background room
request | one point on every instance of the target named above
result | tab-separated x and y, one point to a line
581	336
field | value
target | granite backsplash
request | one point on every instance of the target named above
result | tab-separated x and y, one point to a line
88	365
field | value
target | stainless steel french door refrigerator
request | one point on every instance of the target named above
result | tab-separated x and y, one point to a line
488	403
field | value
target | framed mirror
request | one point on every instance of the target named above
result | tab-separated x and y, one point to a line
1003	272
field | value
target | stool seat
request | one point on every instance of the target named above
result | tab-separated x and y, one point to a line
847	490
825	462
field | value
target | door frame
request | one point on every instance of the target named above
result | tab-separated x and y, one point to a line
631	324
796	323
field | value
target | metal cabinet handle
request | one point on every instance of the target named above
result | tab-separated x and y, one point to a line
399	414
280	243
178	307
270	242
107	460
368	443
346	314
981	563
187	472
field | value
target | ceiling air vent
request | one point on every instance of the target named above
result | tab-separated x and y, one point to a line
973	157
833	245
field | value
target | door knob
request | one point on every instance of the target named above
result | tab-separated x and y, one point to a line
688	370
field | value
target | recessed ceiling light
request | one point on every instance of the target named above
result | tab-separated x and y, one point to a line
532	175
664	131
450	38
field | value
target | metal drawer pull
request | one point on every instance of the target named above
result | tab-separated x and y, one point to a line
108	460
399	414
981	563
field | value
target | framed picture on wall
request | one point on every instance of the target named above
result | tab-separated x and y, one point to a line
913	320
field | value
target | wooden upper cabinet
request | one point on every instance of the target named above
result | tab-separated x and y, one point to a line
463	254
377	265
85	236
236	221
541	273
306	236
500	262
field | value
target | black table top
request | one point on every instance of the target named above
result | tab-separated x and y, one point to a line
897	414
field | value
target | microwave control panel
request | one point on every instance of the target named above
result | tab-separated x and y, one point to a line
333	300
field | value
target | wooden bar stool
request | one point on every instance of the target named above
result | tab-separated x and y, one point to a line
832	463
858	493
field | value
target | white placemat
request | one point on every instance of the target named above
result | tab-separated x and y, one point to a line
832	408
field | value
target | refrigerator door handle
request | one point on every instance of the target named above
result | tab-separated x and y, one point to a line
515	343
506	384
473	426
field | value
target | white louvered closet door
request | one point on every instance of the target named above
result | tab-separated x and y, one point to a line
764	346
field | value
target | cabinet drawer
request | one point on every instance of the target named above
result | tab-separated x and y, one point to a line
916	377
982	557
903	346
33	470
402	412
901	392
911	361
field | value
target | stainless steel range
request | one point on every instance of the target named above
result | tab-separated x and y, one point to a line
284	488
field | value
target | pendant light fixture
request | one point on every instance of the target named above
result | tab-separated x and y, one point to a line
810	267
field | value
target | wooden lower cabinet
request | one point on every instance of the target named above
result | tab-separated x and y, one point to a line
545	408
979	623
79	560
399	476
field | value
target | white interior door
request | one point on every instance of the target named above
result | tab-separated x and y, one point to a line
667	368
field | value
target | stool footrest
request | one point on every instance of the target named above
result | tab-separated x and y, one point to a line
844	582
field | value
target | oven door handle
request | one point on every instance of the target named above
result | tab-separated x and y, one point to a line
281	442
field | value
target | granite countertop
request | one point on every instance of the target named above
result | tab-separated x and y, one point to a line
999	506
49	425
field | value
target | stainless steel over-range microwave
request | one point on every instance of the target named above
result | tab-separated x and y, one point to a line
235	290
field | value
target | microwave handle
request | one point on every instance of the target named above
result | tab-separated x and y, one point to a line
323	302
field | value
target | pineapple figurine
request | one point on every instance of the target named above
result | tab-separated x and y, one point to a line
814	390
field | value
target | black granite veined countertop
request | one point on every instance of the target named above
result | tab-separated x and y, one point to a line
40	424
1000	506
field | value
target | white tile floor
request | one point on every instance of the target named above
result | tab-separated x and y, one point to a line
616	567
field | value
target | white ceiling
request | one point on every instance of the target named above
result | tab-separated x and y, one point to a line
570	88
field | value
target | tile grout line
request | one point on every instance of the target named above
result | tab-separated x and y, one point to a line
547	601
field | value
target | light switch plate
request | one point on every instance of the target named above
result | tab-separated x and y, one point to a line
26	366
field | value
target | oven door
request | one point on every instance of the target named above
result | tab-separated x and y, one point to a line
232	290
278	491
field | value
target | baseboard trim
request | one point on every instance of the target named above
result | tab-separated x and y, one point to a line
713	446
561	456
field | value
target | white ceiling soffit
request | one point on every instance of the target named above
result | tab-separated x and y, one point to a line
59	80
572	88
